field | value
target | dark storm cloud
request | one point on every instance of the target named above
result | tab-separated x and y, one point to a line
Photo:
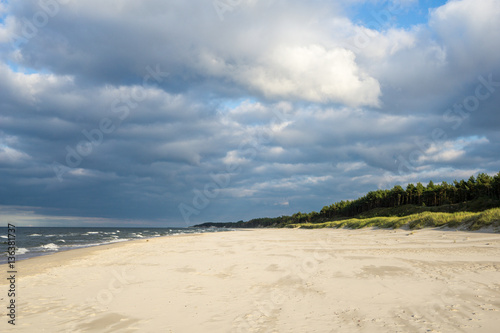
125	110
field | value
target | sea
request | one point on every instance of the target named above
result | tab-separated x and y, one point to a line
38	241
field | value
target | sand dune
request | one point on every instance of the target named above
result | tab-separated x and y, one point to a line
283	280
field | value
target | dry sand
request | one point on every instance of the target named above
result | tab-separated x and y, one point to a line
284	280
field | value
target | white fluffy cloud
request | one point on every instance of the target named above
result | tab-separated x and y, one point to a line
315	74
294	72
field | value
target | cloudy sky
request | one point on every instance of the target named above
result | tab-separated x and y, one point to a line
170	113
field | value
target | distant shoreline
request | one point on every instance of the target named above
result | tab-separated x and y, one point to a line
40	241
464	220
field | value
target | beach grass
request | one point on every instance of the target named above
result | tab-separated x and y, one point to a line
463	220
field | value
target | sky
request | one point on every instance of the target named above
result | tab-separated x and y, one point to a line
171	113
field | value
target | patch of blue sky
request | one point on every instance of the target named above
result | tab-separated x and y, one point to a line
3	13
231	104
462	142
474	139
381	15
25	70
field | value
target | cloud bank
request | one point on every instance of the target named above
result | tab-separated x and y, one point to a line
180	112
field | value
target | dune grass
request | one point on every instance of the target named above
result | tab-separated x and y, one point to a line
463	220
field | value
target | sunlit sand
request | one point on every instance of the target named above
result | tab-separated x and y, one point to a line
281	280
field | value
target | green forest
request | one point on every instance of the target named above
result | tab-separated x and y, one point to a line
413	206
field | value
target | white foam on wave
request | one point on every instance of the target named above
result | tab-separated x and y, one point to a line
98	244
4	236
61	240
22	250
91	233
119	240
50	247
35	235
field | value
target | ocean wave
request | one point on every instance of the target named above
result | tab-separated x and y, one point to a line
91	233
61	240
35	235
22	250
50	235
50	247
119	240
4	236
98	244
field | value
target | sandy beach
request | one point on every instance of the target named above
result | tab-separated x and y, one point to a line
281	280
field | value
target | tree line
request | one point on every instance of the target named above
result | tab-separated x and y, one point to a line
431	195
482	186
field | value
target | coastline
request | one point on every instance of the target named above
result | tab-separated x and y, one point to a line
39	241
269	280
63	257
